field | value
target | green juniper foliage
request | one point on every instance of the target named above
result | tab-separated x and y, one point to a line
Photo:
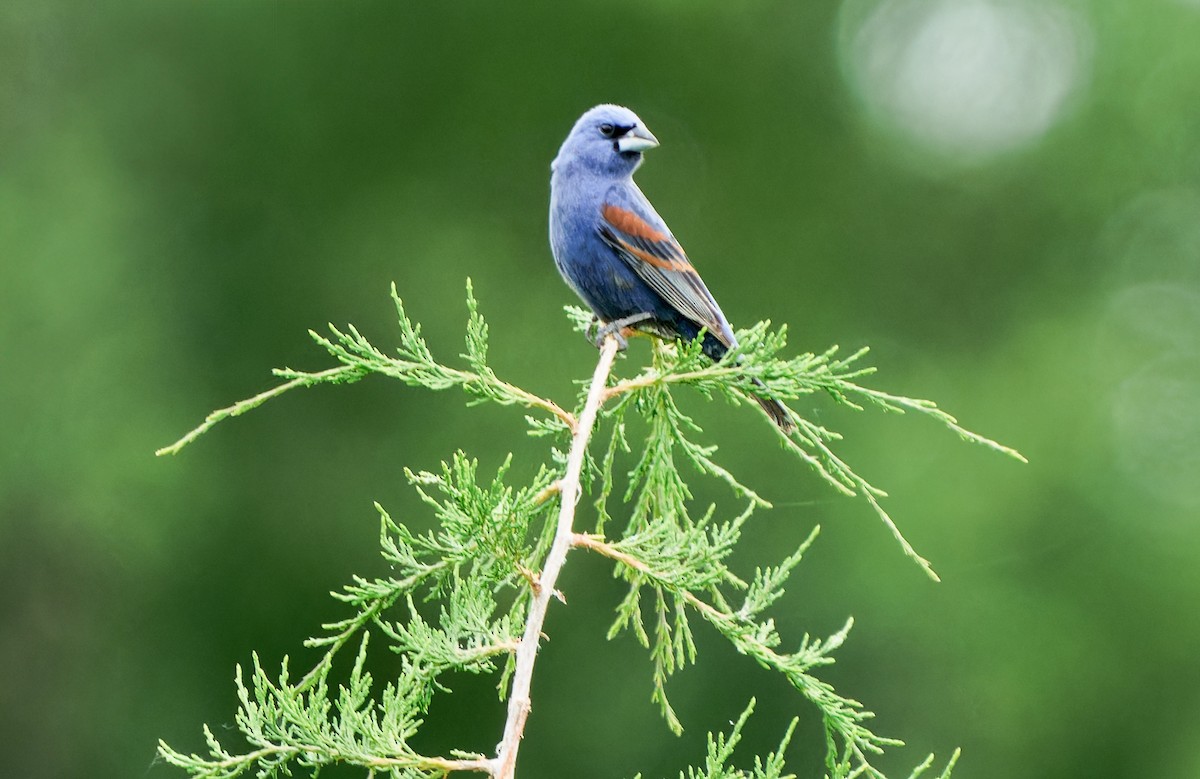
486	563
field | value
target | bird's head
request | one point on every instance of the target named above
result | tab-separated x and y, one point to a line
607	139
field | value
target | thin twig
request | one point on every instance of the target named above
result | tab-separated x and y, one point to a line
519	703
651	378
600	546
242	406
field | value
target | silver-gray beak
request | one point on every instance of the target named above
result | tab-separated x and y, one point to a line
637	139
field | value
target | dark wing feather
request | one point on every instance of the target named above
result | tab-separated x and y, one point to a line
659	260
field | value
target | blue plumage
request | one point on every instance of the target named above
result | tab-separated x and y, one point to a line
616	252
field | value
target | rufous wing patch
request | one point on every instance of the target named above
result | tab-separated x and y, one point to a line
630	223
680	266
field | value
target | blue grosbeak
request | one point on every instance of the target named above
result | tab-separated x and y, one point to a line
616	252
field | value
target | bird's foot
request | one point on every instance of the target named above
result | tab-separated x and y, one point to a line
615	329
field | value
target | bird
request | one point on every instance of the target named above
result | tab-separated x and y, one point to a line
617	254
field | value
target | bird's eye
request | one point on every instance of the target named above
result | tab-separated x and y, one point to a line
606	130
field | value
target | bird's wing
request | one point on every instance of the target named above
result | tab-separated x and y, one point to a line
640	238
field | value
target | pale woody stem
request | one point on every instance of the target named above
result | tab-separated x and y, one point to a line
519	704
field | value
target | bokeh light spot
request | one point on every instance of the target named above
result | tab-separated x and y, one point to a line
1156	236
1149	338
965	79
1156	422
1154	318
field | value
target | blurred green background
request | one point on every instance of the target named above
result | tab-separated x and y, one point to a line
1001	199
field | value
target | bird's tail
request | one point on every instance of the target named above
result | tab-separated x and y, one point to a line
778	412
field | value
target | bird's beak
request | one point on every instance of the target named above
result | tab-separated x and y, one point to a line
637	139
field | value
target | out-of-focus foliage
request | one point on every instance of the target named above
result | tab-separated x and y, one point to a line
1002	199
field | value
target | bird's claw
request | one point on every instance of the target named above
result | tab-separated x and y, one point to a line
604	332
614	328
